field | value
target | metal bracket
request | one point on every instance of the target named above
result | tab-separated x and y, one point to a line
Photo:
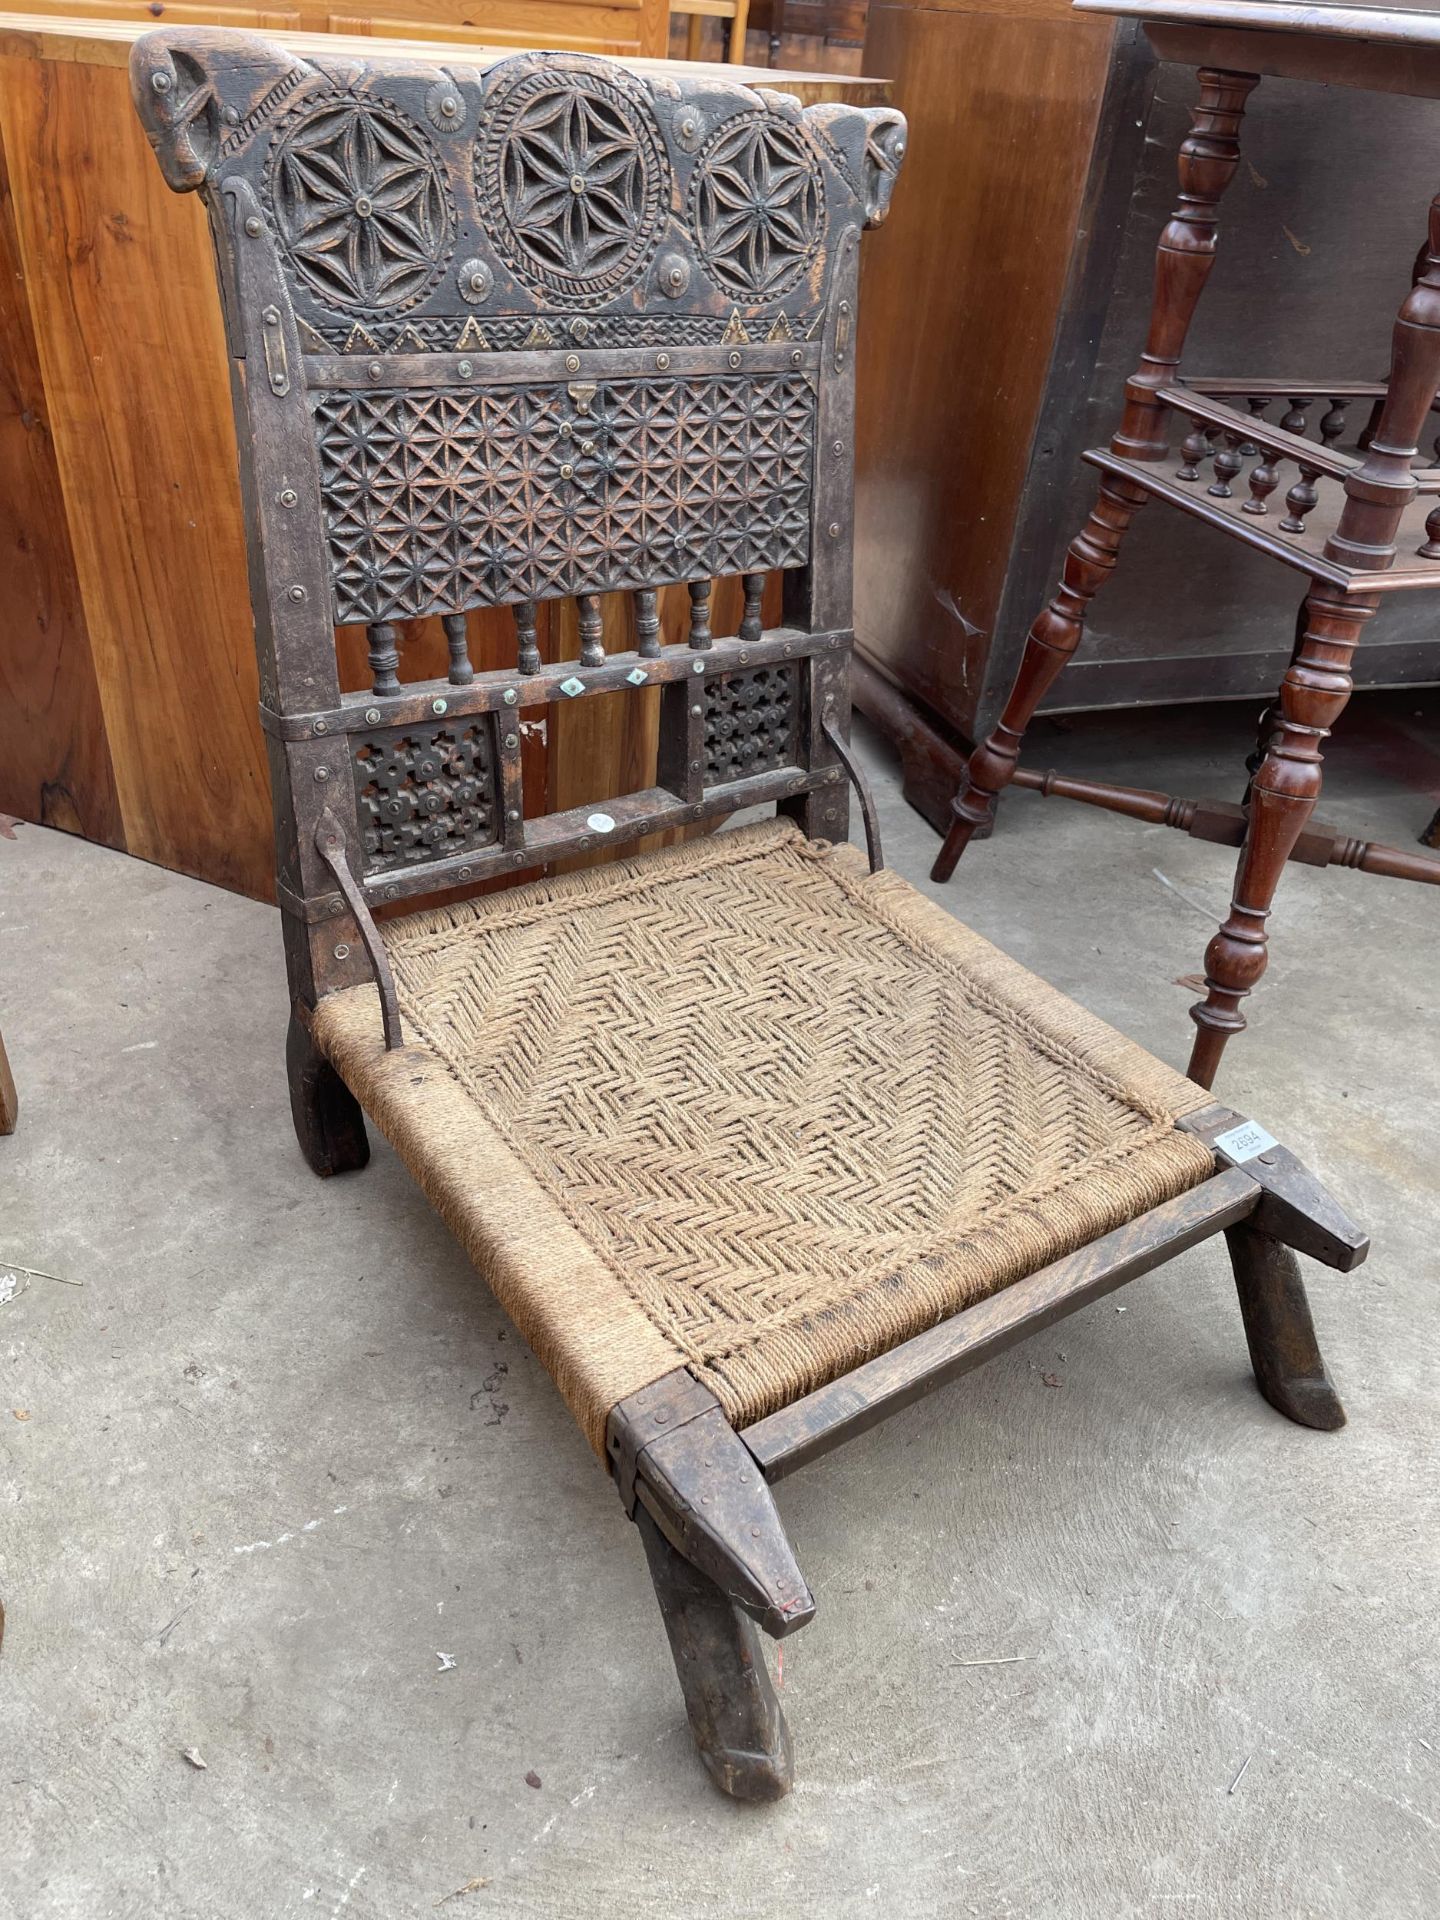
674	1453
861	785
1294	1207
330	845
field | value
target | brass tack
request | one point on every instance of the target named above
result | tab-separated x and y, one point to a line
697	711
694	766
797	358
372	714
838	448
509	696
512	813
464	873
662	361
322	726
253	227
288	496
572	363
834	529
375	369
743	658
512	740
342	952
699	667
297	593
465	369
567	472
697	811
322	773
438	706
734	359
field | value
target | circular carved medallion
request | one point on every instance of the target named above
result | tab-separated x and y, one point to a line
757	206
573	181
360	202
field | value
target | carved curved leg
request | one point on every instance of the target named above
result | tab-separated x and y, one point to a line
1289	1369
1282	798
735	1717
1089	562
328	1122
1207	162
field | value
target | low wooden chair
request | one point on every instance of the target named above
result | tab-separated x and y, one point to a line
754	1144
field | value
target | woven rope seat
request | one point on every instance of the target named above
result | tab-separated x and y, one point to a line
744	1107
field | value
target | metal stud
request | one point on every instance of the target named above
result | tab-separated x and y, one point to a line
322	726
509	696
254	226
288	496
662	361
572	363
298	593
699	667
637	676
372	714
342	952
465	369
375	369
161	82
734	359
572	687
322	774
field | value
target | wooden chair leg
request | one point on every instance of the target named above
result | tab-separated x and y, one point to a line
9	1098
735	42
694	28
1289	1368
734	1715
328	1121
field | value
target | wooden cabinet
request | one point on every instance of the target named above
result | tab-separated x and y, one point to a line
128	690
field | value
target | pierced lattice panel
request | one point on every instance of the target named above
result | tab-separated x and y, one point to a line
751	723
437	499
424	792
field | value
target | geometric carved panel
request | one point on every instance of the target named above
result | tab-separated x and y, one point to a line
424	792
438	499
751	723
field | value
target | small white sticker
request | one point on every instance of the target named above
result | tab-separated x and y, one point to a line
1244	1143
600	823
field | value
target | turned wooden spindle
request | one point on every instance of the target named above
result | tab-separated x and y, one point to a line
384	645
1264	478
1300	499
1332	421
1293	420
1208	158
647	624
751	626
1228	463
1384	484
1089	562
527	641
1282	797
1186	252
1194	448
461	671
1431	548
1256	404
592	630
700	635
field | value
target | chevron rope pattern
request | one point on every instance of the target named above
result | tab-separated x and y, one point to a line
794	1116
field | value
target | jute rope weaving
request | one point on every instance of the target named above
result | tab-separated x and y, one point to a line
744	1107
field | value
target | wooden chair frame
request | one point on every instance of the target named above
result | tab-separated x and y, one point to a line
348	350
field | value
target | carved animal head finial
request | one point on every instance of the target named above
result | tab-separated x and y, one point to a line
885	145
176	102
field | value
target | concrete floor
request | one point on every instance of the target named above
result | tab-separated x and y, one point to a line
279	1452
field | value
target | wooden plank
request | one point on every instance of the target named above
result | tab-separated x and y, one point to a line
132	351
55	767
850	1406
959	297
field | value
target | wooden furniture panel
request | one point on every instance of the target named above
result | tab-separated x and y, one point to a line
127	684
961	290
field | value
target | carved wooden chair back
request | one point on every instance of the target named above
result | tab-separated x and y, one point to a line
503	335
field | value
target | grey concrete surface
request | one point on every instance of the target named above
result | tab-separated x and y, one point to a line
279	1453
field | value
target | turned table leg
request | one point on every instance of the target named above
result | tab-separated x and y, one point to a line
1208	158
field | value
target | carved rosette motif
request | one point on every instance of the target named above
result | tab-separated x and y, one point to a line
573	181
757	205
361	205
438	499
750	724
423	793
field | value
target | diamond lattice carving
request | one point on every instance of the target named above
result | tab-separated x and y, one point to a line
361	205
437	500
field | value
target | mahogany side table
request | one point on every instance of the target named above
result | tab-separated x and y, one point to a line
1359	524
